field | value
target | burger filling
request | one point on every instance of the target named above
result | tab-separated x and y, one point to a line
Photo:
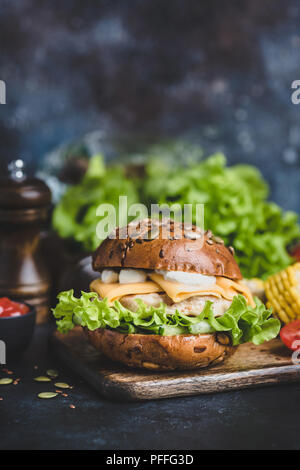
181	291
135	301
192	306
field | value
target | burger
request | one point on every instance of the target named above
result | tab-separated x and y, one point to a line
168	296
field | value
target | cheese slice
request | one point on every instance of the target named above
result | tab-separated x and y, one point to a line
116	291
232	288
224	288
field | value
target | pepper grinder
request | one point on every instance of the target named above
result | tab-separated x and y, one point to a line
24	205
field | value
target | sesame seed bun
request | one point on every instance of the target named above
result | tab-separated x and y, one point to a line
188	249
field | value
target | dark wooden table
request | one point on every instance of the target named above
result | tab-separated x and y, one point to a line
265	418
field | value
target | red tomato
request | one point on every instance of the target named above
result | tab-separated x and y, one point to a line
8	308
290	335
296	252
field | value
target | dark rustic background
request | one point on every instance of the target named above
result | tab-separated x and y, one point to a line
218	73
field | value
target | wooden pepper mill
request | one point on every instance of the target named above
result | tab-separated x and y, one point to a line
24	205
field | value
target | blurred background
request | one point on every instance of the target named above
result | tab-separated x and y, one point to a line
137	71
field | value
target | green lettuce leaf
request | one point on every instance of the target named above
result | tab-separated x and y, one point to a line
235	198
236	206
75	216
241	322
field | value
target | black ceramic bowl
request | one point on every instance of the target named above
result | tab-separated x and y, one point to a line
16	332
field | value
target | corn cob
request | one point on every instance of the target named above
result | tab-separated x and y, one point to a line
283	293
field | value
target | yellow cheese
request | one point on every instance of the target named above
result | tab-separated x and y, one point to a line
224	288
231	288
116	291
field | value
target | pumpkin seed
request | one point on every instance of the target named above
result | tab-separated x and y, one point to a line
47	395
218	240
42	378
62	385
192	235
52	373
6	381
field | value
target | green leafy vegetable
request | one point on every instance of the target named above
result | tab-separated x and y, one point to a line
236	205
241	322
236	208
75	215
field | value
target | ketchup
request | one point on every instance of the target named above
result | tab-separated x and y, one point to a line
8	308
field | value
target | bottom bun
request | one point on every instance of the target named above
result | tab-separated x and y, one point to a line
157	352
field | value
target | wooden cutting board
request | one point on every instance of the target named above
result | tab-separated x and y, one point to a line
250	366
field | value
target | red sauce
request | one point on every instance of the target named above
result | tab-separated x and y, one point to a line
8	308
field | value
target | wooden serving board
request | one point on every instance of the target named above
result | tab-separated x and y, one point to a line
250	366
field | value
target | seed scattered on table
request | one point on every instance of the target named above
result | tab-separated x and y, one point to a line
6	381
47	395
52	373
42	378
62	385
